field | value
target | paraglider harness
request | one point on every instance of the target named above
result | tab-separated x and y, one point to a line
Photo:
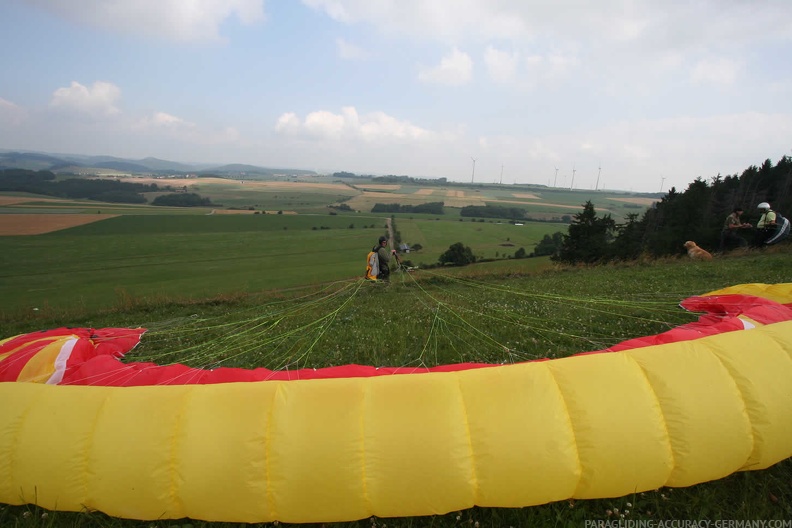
376	270
778	232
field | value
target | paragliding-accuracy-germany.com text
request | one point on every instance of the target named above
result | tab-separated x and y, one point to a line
688	523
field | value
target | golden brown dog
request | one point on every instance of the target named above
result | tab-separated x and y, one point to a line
696	252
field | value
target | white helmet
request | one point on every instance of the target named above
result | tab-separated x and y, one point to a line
763	206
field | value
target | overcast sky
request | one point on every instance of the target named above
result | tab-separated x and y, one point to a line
642	94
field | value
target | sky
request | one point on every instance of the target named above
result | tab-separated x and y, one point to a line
634	95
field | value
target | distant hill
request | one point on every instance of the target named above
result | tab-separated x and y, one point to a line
165	165
238	169
66	163
123	166
29	161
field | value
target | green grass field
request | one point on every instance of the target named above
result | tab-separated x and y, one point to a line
488	239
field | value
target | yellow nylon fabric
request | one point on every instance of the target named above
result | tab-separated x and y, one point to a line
596	425
42	365
781	292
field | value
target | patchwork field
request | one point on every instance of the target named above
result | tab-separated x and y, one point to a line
37	224
315	195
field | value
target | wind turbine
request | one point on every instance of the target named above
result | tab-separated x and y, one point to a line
596	187
571	185
556	177
662	180
501	180
474	169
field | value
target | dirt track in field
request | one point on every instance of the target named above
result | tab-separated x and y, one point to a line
37	224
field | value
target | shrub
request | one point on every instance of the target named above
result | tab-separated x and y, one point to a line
458	255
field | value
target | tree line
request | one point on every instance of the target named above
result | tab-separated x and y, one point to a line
103	190
435	208
45	182
698	214
493	211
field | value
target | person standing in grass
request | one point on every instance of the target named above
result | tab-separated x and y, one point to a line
384	257
772	227
729	233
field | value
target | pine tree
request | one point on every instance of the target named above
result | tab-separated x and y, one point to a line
589	238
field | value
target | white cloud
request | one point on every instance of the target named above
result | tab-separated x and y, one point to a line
445	19
349	126
325	124
98	101
171	19
454	69
636	44
683	23
382	126
162	119
348	51
10	113
171	127
550	67
501	65
334	10
288	124
716	71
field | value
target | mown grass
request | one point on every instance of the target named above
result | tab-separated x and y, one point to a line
477	313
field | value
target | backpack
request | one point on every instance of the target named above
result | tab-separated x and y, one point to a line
372	264
781	230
